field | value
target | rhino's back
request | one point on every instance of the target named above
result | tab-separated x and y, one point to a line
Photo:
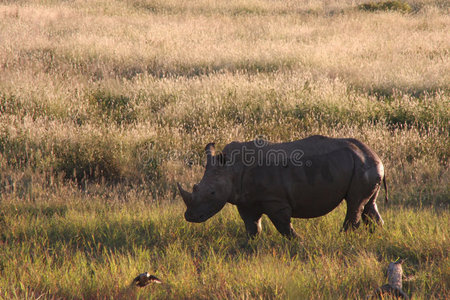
313	146
312	185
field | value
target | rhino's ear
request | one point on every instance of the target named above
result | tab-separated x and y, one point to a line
210	151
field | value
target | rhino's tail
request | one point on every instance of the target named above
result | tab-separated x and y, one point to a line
385	190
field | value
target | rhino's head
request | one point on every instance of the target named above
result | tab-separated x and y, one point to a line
211	194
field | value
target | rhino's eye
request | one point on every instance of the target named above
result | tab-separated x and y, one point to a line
213	192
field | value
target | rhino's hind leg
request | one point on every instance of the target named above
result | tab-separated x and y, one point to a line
355	205
352	218
360	207
370	214
361	196
252	220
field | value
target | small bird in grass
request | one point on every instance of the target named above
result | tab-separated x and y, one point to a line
394	286
145	278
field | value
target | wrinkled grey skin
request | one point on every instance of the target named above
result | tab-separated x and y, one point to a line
329	171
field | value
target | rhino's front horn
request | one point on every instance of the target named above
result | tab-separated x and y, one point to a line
187	197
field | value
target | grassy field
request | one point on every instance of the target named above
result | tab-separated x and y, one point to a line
105	104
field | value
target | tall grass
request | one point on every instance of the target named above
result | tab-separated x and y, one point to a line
88	247
105	104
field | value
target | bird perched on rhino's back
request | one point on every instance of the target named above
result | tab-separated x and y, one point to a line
144	279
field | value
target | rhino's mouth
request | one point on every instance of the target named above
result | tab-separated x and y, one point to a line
201	216
197	219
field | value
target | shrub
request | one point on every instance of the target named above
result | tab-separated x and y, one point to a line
91	159
111	107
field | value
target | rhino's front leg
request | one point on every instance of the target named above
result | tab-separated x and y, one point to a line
282	221
252	219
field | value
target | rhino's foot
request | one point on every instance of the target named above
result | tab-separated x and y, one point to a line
349	224
292	234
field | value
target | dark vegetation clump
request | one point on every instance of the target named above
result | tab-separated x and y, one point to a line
113	108
395	5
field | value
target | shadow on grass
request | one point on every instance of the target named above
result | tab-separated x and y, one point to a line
387	93
41	210
124	293
112	235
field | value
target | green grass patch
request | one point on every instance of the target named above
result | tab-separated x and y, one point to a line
95	251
